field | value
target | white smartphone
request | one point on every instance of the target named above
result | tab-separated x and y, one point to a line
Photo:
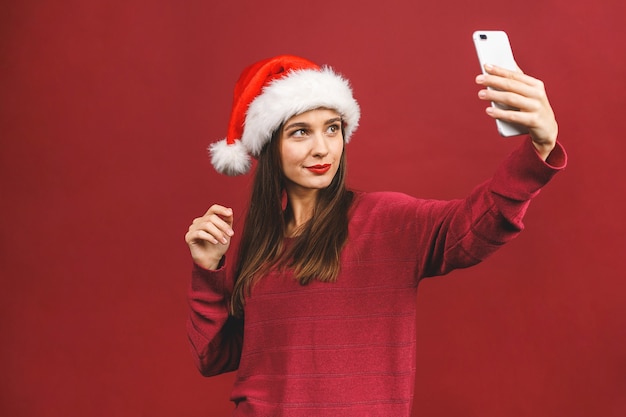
493	47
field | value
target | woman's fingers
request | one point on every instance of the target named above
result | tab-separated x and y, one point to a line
217	221
224	212
505	81
520	92
512	100
213	229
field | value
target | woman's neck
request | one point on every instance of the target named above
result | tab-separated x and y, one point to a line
302	205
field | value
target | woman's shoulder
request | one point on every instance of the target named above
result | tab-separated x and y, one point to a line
369	202
383	211
377	197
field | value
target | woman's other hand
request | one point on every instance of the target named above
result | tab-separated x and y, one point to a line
209	236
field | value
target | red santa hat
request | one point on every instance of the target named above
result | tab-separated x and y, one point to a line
270	92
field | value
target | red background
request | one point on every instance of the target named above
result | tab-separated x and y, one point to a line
107	108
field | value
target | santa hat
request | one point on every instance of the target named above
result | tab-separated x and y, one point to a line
270	92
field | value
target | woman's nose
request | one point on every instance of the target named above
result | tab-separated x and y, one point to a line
320	147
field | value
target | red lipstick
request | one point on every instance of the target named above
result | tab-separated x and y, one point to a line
319	169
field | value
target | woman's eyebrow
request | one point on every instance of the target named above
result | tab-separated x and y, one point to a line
297	124
307	125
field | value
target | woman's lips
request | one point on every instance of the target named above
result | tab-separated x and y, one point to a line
319	169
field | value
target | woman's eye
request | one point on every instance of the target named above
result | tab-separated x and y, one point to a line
333	128
298	133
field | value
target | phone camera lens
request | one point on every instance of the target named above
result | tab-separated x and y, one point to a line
483	36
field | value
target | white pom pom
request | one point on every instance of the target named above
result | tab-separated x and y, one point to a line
230	159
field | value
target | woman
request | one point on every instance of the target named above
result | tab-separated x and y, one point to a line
323	289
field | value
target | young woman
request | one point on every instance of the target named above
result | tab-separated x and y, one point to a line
316	312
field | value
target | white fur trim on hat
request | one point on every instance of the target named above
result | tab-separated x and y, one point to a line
230	159
293	94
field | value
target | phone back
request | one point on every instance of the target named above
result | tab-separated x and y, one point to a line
493	47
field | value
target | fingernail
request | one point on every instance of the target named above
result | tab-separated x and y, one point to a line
480	78
488	66
482	94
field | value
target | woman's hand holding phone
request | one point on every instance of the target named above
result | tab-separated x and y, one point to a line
519	102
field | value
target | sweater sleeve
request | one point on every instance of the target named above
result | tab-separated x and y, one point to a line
215	336
465	232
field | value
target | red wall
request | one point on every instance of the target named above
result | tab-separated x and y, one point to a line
106	110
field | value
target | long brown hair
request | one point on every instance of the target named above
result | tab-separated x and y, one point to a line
314	253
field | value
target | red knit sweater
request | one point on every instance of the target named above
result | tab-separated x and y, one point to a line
348	348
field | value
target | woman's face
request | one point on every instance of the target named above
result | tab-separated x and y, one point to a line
311	145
